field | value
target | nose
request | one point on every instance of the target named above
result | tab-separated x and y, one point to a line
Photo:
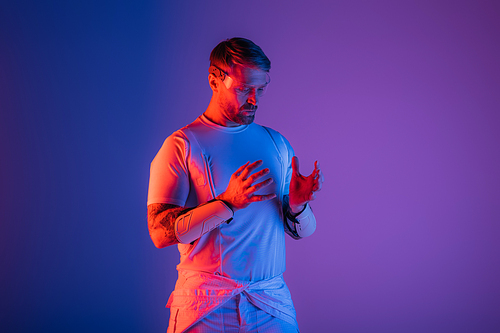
252	97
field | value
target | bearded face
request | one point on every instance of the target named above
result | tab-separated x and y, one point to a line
238	98
234	111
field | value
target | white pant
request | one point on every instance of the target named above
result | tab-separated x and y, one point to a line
238	315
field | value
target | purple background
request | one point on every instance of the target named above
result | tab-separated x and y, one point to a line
398	100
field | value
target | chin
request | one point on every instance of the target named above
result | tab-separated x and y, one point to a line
246	120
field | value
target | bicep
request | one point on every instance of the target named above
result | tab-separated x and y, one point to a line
168	179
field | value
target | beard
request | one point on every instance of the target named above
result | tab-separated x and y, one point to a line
245	115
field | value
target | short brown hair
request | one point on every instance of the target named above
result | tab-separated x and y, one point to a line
239	51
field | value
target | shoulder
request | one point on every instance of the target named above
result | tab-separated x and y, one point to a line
176	146
272	131
277	136
176	141
182	137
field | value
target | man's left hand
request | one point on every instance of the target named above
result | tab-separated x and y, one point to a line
303	189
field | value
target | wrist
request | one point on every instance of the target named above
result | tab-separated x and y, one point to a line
224	200
297	209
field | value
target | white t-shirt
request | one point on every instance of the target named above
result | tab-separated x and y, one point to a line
252	246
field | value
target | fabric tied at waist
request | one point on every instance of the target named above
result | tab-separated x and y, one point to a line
197	294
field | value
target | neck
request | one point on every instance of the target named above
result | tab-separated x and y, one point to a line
216	115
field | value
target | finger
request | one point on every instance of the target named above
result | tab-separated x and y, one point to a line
318	177
318	181
260	185
257	175
265	197
240	169
249	168
321	177
295	165
317	186
317	169
318	174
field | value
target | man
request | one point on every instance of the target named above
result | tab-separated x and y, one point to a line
226	190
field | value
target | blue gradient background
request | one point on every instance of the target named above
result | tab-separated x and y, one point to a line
399	100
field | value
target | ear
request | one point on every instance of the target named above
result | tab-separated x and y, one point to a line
213	82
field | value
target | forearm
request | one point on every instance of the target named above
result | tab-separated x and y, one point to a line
169	224
299	223
161	223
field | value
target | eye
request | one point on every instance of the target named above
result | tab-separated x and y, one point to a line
243	89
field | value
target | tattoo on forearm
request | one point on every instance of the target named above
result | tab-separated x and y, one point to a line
161	219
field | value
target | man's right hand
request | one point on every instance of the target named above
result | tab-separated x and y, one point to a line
240	191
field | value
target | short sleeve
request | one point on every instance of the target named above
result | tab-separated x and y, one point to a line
168	178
